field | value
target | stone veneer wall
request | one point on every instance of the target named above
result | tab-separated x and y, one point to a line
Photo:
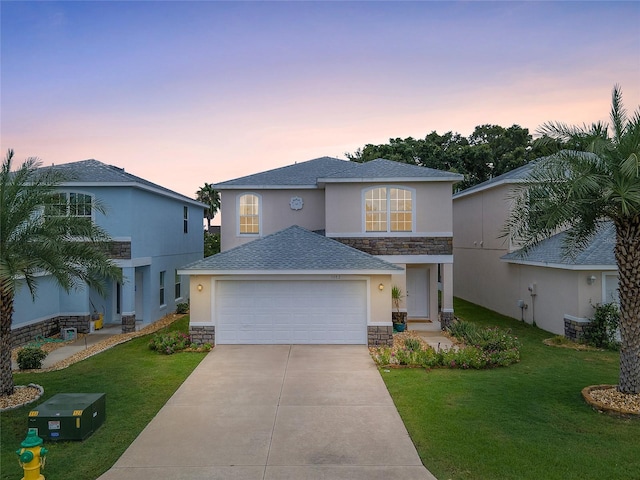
401	245
128	323
48	328
446	318
574	328
379	336
203	334
119	250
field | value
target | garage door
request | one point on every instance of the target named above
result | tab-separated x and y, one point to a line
284	312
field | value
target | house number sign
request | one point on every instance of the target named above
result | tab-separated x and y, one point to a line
296	203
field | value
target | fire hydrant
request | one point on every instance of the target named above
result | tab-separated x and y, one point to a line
32	456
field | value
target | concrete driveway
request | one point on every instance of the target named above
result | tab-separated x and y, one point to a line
282	412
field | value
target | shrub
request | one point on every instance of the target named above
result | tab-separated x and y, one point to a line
31	358
182	308
412	344
601	332
171	342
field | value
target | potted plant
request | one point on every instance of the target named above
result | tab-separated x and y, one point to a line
398	318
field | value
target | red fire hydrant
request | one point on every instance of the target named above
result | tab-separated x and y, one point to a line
32	456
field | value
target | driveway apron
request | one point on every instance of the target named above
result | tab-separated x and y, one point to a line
259	412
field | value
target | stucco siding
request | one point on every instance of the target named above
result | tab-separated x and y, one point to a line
344	206
276	213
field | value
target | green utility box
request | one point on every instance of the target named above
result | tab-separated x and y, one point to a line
68	416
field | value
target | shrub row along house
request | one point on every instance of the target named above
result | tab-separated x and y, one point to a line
154	232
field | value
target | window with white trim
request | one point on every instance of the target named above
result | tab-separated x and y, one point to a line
388	209
185	219
162	300
178	282
249	214
74	204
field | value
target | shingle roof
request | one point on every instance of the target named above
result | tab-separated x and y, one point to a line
326	169
381	168
599	252
298	174
292	249
513	176
95	172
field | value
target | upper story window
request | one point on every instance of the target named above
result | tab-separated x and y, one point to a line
72	204
388	209
185	219
249	214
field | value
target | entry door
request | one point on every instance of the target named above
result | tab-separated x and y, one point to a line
117	302
418	292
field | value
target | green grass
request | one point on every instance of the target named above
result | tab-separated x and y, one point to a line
525	421
137	383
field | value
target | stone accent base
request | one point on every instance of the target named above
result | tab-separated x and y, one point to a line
574	328
446	319
48	328
401	245
380	336
203	334
128	323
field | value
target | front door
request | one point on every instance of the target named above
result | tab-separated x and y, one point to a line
418	292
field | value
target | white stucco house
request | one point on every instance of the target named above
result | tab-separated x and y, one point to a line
545	286
310	251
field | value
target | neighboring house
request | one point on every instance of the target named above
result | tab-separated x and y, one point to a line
154	231
545	286
309	253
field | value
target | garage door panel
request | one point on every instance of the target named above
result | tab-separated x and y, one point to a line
290	312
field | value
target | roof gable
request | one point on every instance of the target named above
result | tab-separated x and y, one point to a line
292	249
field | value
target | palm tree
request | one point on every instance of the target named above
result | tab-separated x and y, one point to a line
33	242
211	198
575	190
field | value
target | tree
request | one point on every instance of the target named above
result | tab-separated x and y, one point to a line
211	198
211	244
37	237
489	151
575	190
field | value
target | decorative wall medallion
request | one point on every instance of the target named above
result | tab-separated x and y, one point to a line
296	203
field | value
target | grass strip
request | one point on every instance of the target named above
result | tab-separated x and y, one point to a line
525	421
137	383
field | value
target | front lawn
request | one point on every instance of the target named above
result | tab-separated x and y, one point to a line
137	383
525	421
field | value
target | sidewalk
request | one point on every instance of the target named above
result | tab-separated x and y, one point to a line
79	345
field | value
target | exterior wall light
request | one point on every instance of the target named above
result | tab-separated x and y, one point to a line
381	287
199	287
591	279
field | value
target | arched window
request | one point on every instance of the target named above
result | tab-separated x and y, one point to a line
388	209
249	214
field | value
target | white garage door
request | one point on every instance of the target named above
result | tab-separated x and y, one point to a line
284	312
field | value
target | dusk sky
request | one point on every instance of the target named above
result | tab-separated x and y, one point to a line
182	93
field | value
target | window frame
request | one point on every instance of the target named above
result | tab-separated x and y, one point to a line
161	290
68	205
388	211
239	215
185	219
178	286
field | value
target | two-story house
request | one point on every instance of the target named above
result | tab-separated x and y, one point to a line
544	286
310	252
154	231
